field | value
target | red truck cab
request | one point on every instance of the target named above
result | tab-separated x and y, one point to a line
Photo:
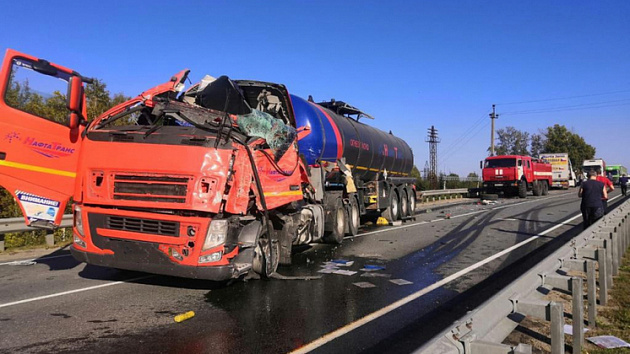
159	185
515	175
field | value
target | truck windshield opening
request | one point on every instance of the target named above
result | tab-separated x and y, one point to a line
500	163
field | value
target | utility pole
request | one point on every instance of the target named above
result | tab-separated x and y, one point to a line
493	116
433	140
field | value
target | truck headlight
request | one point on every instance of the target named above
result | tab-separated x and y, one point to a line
216	234
78	220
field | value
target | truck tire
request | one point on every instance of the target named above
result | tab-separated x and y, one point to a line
286	245
411	196
545	188
338	220
537	188
404	204
522	189
392	211
489	196
266	260
354	216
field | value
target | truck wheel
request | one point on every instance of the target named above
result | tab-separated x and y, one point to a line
404	204
537	188
286	245
522	189
411	195
265	261
354	217
545	188
391	213
338	224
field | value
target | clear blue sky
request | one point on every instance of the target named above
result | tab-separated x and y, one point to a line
410	64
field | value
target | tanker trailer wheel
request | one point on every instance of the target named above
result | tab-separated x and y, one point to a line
545	188
392	211
537	188
404	204
411	195
522	189
337	224
354	216
265	261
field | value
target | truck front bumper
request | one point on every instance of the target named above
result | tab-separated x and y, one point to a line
154	262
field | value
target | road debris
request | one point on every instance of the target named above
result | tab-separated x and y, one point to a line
376	275
341	263
608	342
184	316
400	281
381	221
371	268
364	284
344	272
23	263
568	329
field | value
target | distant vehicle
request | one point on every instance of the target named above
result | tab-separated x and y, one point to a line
613	172
595	165
563	175
516	175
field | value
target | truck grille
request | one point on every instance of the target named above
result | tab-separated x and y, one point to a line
165	189
145	226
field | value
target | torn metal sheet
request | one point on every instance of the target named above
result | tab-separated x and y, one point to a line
400	281
364	284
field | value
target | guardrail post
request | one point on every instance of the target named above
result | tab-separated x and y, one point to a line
50	238
578	314
603	276
546	310
557	328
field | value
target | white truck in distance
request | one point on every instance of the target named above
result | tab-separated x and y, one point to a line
563	175
596	164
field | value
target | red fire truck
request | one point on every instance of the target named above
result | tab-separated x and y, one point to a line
516	175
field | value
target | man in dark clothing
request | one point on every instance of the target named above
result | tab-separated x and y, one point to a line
592	193
623	181
609	188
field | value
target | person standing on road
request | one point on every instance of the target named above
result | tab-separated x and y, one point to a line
609	188
623	181
592	193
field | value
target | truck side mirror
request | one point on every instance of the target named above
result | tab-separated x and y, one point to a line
75	94
74	120
74	100
481	165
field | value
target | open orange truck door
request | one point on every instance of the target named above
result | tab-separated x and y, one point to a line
42	111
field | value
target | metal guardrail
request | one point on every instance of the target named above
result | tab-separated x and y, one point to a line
18	225
483	329
423	196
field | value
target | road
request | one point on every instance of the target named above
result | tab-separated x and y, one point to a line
451	264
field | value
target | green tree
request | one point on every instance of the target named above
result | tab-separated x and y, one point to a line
537	144
511	141
559	139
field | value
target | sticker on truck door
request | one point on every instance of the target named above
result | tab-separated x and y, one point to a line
36	207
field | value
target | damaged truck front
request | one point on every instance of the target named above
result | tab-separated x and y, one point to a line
206	183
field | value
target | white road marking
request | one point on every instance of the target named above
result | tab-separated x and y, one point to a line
35	259
73	291
393	306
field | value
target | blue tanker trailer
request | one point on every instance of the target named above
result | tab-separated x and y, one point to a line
363	169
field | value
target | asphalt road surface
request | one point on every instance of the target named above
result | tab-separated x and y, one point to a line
434	269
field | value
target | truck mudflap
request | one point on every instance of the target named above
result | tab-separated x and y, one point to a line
156	263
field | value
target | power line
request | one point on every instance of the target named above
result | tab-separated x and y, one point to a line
564	98
572	107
